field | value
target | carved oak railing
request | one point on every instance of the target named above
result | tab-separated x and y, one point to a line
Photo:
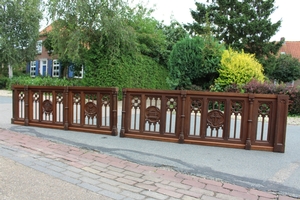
71	108
250	121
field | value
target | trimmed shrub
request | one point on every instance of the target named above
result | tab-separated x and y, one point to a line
237	68
194	61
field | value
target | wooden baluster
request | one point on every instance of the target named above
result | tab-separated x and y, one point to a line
66	108
26	122
115	112
124	103
250	120
181	136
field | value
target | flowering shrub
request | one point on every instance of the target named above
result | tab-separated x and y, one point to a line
258	87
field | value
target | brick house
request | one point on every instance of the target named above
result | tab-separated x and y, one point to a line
292	48
45	64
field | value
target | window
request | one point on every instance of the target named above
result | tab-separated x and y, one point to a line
39	47
32	68
56	68
44	67
79	74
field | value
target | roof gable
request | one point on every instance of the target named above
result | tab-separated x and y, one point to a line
292	48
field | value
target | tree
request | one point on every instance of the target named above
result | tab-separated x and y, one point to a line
173	33
287	69
194	61
241	25
77	24
19	30
237	68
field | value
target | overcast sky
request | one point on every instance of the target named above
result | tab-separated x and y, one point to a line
288	11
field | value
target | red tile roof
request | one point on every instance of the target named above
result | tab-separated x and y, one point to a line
292	48
46	30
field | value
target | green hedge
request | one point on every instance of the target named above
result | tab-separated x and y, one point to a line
43	81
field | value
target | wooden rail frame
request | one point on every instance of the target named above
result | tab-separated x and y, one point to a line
88	109
250	121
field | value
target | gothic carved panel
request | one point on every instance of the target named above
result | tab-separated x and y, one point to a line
90	109
215	119
152	114
196	105
47	107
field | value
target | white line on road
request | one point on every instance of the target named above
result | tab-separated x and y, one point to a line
284	173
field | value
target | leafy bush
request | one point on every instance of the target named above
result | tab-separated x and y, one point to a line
194	61
3	82
258	87
286	69
237	68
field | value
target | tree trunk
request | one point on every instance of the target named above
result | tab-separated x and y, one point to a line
10	71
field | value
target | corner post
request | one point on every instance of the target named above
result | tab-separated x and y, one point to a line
14	103
281	123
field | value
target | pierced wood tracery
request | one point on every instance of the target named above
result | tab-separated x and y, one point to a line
215	118
264	113
152	114
171	110
237	109
195	116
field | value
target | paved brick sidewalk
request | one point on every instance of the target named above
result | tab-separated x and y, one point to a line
113	177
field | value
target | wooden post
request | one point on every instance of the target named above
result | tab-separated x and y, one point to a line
122	131
26	93
250	124
14	105
114	131
181	135
66	108
203	122
281	123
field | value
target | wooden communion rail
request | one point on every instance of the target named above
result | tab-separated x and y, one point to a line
71	108
250	121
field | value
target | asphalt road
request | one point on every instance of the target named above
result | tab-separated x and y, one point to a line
261	170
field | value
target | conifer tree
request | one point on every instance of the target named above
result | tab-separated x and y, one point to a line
242	25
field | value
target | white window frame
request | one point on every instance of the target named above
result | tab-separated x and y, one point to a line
80	72
55	68
32	68
39	47
42	66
